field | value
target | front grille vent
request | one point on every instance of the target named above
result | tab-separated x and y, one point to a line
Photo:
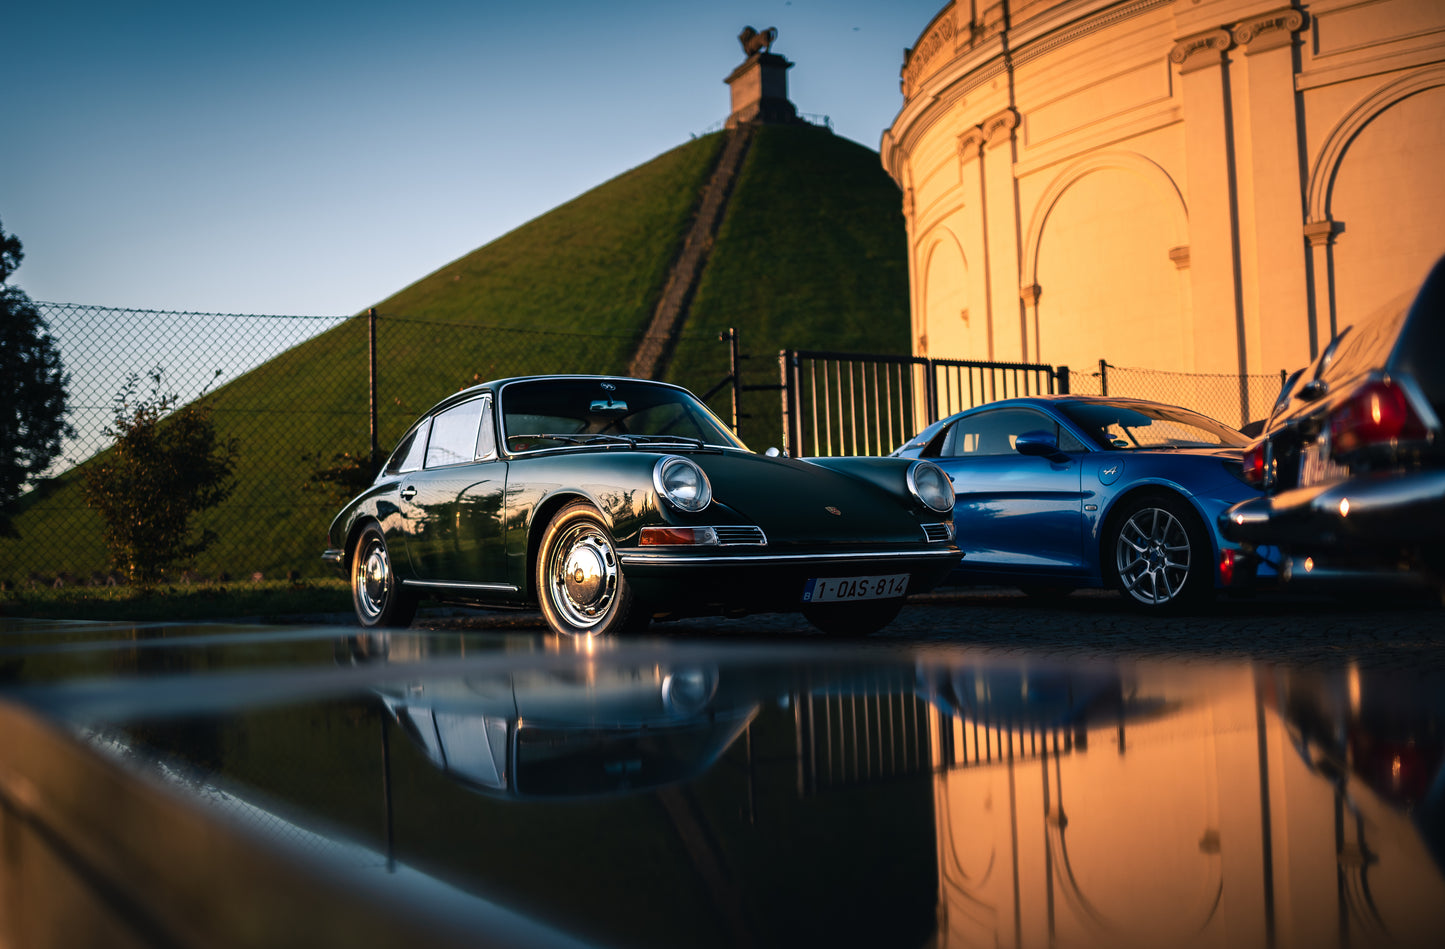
733	534
938	532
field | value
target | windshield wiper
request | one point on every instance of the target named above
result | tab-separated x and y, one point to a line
667	440
575	439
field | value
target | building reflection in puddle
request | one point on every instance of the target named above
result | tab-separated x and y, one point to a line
1238	807
628	791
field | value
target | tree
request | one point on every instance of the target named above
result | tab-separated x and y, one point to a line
32	414
167	465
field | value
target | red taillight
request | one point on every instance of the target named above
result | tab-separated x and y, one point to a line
1254	464
1377	414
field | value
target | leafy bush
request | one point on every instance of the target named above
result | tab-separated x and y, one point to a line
167	465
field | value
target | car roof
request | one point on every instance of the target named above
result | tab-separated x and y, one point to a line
1059	398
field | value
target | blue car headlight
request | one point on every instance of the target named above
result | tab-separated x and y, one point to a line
930	485
681	483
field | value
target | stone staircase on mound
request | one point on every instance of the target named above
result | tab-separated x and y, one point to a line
655	349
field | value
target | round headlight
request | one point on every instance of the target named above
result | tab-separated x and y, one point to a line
931	486
682	483
687	691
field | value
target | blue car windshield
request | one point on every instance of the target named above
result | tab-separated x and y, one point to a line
1136	425
558	413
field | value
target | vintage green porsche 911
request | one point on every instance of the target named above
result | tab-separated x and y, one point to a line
608	502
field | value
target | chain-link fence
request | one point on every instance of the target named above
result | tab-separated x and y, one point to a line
295	393
1233	400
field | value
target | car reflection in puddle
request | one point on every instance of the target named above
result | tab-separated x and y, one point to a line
644	793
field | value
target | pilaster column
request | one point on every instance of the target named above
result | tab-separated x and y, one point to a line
1211	198
1008	332
1278	331
1320	235
1029	296
975	240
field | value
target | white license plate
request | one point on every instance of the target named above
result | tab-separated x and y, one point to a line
835	589
1315	467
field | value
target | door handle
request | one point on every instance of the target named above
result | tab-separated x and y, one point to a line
408	492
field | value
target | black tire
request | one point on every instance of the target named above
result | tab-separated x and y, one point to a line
1158	555
853	619
377	595
580	586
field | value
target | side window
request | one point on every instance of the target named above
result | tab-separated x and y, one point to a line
454	435
408	454
994	433
487	435
1068	442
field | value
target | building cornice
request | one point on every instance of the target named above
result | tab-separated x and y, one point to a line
990	56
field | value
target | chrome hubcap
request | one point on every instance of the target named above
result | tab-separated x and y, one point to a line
371	580
584	575
1153	556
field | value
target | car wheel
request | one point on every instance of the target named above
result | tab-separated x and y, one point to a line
376	591
853	619
580	585
1159	554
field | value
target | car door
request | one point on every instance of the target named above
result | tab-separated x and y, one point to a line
455	507
1015	512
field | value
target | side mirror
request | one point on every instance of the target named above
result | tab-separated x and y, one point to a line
1041	443
772	452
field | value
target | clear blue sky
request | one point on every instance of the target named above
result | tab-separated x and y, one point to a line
313	157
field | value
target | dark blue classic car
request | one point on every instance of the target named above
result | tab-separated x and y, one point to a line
1353	457
1060	492
609	502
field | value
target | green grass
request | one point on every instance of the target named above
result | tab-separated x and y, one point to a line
269	599
811	254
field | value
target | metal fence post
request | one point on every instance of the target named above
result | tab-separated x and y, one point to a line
733	368
371	356
1103	377
787	386
1061	380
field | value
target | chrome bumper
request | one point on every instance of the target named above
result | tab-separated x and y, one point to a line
1383	510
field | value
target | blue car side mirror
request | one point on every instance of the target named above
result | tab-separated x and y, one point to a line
1042	443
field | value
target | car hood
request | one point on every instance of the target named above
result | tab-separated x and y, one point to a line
797	502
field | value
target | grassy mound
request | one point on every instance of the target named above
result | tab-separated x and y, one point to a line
810	254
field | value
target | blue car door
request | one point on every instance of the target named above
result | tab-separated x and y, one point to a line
1015	512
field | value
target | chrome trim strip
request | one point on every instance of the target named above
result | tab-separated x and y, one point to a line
450	585
659	559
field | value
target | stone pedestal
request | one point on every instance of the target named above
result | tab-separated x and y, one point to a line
760	91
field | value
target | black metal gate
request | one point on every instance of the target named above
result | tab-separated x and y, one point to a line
868	404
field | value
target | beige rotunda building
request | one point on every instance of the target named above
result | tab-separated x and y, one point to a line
1196	186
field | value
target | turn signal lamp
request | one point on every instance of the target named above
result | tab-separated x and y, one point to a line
677	537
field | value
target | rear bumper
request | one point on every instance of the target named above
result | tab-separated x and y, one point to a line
1383	510
1372	530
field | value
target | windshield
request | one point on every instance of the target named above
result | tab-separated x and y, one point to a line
555	413
1134	425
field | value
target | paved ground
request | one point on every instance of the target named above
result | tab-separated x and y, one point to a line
1375	633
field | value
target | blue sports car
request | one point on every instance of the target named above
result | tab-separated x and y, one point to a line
1060	492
